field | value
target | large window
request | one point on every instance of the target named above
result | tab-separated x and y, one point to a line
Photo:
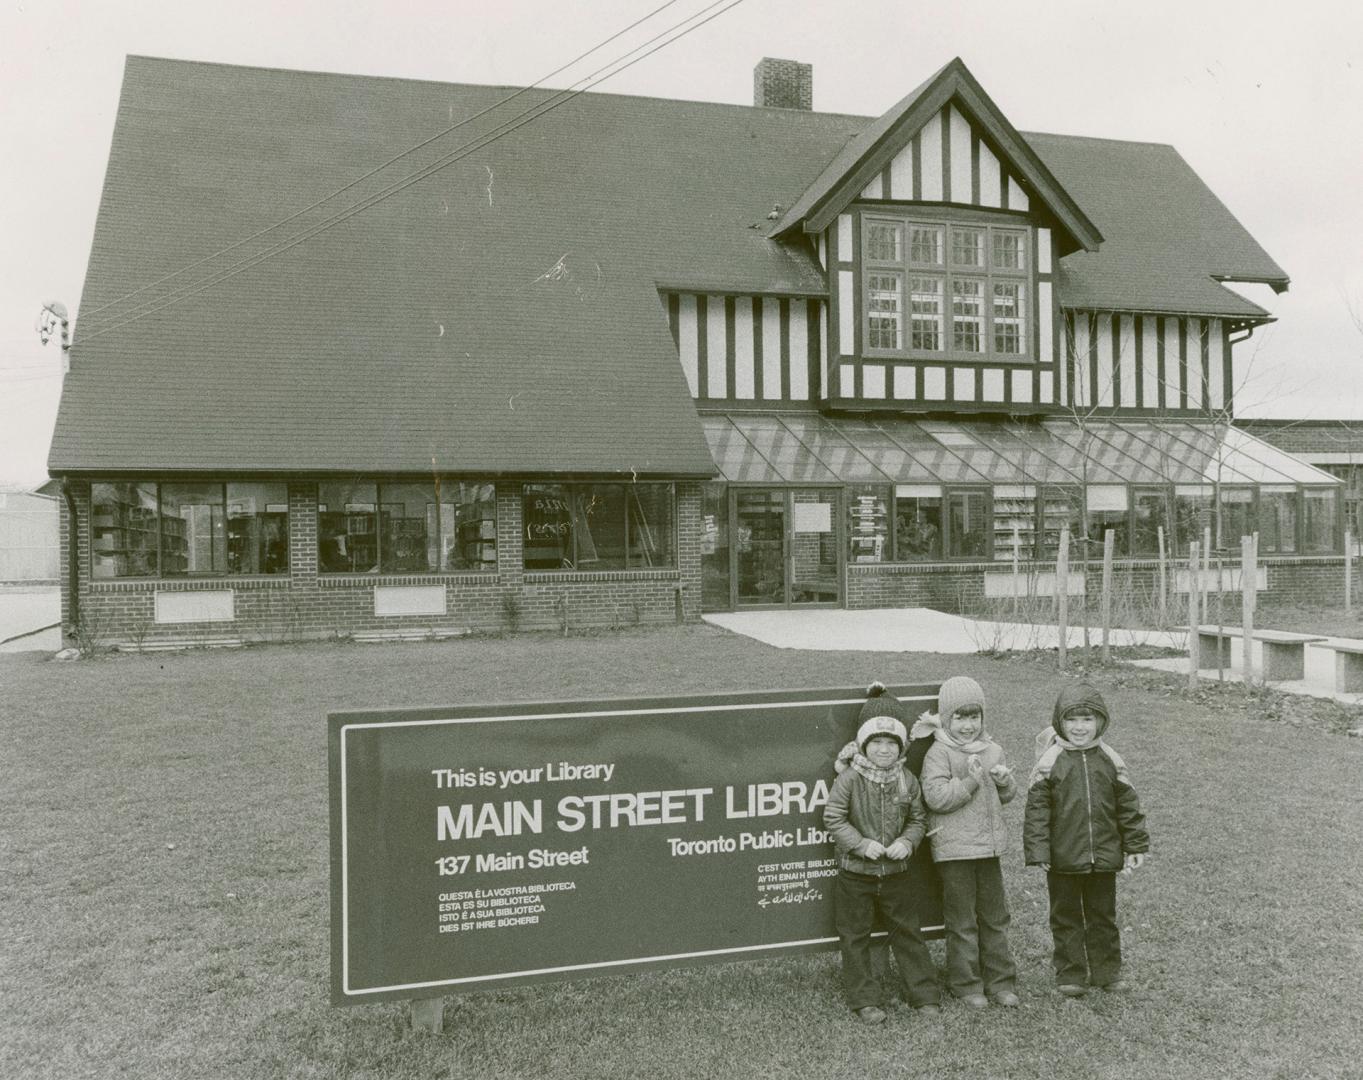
963	286
969	527
918	523
1319	519
182	529
868	523
435	526
1277	519
1151	515
598	526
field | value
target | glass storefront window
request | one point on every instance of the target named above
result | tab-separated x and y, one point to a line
598	526
1320	512
433	526
257	529
178	529
1014	515
1193	513
1062	507
868	523
1277	519
123	530
1151	513
193	529
918	523
968	525
347	528
1107	509
1237	516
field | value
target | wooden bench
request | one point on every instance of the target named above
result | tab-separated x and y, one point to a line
1348	667
1284	653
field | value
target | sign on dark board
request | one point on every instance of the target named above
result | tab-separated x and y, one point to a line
478	846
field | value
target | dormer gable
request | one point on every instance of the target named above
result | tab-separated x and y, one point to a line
945	142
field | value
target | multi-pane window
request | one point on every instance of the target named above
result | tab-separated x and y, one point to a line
181	529
925	311
414	528
884	327
967	315
975	275
1319	519
598	526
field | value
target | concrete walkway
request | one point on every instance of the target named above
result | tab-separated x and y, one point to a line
925	630
911	630
26	609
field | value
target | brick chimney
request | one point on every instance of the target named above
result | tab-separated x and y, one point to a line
783	84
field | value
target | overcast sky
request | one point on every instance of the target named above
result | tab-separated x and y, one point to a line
1262	99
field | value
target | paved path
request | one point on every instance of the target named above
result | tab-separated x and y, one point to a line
925	630
22	610
911	630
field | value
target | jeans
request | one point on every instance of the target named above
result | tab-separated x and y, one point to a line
1088	946
978	957
856	899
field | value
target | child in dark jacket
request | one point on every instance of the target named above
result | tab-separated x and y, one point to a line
875	814
1083	824
965	784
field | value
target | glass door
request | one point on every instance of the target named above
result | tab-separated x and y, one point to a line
760	532
786	549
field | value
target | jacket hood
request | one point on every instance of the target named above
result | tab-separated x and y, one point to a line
1072	697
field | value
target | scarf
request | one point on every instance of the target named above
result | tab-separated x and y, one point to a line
931	724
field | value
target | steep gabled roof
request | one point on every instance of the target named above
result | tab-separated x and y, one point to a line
866	153
502	314
1168	240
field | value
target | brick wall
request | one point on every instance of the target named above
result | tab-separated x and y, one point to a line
305	605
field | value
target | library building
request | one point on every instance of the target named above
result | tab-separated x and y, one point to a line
639	359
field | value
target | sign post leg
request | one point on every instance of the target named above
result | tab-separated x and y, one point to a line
428	1014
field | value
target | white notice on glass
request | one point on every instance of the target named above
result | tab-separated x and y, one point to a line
813	517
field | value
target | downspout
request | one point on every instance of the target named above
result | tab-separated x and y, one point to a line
72	556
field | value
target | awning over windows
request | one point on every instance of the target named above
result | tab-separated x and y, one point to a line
805	449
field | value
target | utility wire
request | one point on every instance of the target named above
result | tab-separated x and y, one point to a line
379	168
505	128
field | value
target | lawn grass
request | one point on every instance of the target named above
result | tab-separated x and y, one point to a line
164	905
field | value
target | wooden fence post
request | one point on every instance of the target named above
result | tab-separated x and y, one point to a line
1193	609
1107	595
1016	544
1163	583
1348	572
1204	592
1249	572
1062	584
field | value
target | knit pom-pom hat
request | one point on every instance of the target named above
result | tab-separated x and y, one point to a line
958	692
883	714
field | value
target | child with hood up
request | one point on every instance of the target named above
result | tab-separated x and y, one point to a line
876	817
965	784
1083	824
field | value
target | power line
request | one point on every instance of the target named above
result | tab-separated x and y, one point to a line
379	168
505	128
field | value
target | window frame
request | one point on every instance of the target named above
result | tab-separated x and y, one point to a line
566	488
158	553
947	273
381	523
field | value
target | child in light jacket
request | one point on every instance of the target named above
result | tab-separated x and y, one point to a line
965	784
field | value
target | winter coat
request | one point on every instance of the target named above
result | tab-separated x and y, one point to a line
1082	813
967	813
859	811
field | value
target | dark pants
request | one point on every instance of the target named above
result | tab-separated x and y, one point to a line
1088	946
856	899
978	957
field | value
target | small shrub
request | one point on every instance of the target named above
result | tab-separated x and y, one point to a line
511	611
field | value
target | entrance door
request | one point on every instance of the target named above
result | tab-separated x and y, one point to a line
786	547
